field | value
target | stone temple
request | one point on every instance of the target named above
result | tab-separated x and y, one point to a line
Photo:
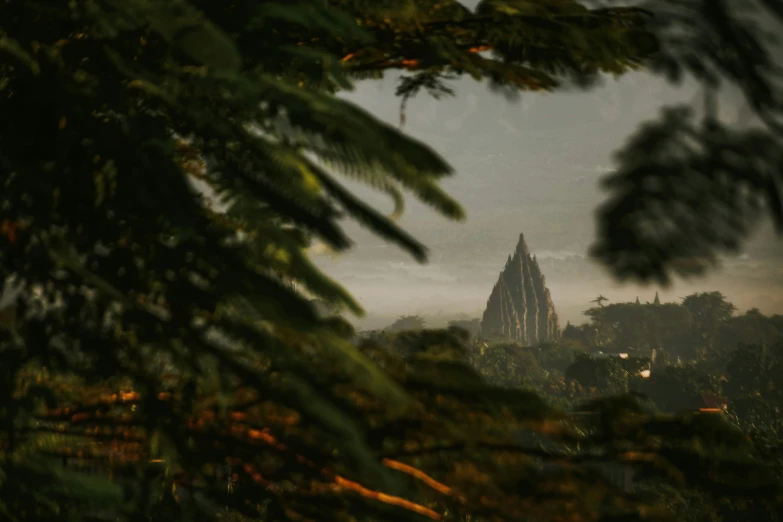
520	307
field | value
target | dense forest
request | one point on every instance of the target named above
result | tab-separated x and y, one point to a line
167	167
695	357
670	353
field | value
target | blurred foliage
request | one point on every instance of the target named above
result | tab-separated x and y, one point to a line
163	358
472	326
557	357
465	447
751	328
507	364
602	376
679	389
690	186
686	505
405	323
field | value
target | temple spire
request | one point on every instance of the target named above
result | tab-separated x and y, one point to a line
520	307
522	246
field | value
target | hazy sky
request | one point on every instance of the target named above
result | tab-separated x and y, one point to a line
531	166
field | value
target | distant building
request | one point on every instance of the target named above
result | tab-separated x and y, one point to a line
520	307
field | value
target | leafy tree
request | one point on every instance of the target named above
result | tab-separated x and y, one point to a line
624	327
558	356
756	398
750	370
757	414
751	328
709	310
777	321
672	330
604	375
406	322
642	328
507	364
583	335
679	389
472	326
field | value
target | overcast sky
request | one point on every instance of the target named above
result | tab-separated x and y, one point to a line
532	166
